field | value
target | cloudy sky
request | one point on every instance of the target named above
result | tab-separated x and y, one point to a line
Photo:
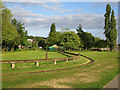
38	16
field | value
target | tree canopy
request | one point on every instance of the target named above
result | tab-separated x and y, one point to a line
87	39
70	40
10	36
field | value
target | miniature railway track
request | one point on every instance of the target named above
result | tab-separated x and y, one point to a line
59	59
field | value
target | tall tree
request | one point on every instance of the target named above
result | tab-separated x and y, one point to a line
110	27
54	38
52	29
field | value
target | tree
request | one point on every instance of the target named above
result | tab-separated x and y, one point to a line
55	38
110	28
87	39
101	44
28	44
21	31
41	42
52	29
70	40
10	36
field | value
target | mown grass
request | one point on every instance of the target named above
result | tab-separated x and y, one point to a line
48	65
96	75
28	55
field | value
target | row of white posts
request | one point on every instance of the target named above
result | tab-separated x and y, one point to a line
37	63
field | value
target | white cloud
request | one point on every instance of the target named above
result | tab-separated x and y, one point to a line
21	12
57	7
69	21
90	21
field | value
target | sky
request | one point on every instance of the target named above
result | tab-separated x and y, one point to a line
38	16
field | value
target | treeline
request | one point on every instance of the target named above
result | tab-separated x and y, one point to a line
14	35
74	41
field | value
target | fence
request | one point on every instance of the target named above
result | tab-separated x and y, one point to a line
36	61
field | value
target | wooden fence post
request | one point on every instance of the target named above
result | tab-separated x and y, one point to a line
66	59
55	61
13	65
37	63
74	59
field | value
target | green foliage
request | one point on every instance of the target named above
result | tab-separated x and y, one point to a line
87	39
28	44
21	31
70	40
110	28
34	44
52	29
41	41
10	36
101	44
54	38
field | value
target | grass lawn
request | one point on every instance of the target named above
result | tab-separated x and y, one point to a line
26	55
96	75
49	65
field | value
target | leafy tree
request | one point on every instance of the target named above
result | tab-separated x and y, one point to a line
55	38
41	42
21	31
110	28
101	44
70	40
97	39
87	39
10	36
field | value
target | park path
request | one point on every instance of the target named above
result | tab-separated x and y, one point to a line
113	84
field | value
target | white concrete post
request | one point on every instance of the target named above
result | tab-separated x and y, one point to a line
55	62
37	63
13	65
